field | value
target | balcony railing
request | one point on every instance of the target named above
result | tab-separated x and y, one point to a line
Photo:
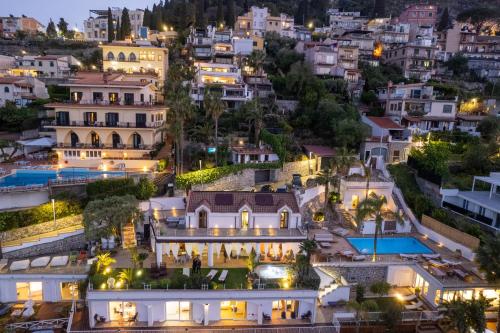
228	232
119	124
463	211
102	146
107	102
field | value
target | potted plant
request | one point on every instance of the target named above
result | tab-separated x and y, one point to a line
417	291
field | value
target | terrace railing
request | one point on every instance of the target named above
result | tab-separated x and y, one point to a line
348	319
38	324
208	329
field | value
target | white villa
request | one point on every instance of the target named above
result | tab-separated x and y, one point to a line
241	155
111	120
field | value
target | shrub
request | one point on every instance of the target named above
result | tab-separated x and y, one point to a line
110	187
145	189
43	213
206	176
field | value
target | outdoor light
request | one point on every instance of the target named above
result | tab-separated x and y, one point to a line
139	272
54	209
145	168
107	270
103	286
118	284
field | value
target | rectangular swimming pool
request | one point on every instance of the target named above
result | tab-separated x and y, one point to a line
389	245
42	177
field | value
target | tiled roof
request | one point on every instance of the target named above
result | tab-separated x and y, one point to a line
110	79
385	122
231	202
9	80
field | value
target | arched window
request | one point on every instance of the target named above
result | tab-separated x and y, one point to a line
116	140
132	57
244	219
95	141
284	219
74	139
136	140
202	219
121	56
111	56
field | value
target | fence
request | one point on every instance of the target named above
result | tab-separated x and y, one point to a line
348	319
38	325
274	329
451	233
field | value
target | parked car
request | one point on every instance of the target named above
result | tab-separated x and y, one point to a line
282	189
296	180
267	188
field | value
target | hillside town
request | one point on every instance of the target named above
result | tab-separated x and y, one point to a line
257	166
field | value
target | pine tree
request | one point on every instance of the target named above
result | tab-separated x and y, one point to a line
200	14
220	12
51	29
118	33
230	14
126	28
379	8
444	21
158	18
146	20
111	28
63	27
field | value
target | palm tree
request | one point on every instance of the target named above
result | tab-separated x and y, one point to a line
181	110
373	206
103	261
361	309
307	247
256	61
202	133
343	160
255	114
214	107
368	174
325	177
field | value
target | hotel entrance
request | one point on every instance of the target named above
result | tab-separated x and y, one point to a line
233	310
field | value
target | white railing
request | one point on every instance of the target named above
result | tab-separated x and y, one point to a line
274	329
71	315
348	318
38	324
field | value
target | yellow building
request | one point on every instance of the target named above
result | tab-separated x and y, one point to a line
135	58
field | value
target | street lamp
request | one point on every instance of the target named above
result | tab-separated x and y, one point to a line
54	209
200	164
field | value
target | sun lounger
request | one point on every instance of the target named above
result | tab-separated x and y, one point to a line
408	256
3	263
325	245
40	262
323	237
59	261
223	275
408	298
431	256
20	265
437	272
437	263
461	274
415	306
212	274
451	262
186	271
340	231
347	253
359	258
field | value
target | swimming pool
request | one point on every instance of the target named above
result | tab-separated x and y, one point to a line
389	245
271	271
42	177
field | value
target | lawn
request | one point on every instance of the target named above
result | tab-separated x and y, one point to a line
236	277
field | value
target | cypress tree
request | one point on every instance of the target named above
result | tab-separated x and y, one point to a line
126	28
230	14
220	12
200	14
444	21
158	18
146	21
111	26
51	29
118	33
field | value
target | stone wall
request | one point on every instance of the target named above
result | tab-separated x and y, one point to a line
65	245
430	189
364	275
301	167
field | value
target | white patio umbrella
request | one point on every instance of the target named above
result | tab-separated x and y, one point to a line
167	249
189	248
218	247
175	249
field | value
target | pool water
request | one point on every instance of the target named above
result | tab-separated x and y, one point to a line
42	177
389	245
271	271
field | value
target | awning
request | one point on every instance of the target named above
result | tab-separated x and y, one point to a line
40	142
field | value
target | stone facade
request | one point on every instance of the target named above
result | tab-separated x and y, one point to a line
431	190
65	245
40	228
364	275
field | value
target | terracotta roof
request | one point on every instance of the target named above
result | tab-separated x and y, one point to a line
429	118
385	122
10	79
109	79
472	117
322	151
231	202
252	150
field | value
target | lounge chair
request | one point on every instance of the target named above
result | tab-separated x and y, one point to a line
451	262
415	306
40	262
431	256
59	261
461	274
325	245
437	272
223	275
408	256
347	253
212	274
437	263
408	298
359	258
3	263
323	237
20	265
340	231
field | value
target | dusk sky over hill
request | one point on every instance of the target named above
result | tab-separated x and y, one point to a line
74	12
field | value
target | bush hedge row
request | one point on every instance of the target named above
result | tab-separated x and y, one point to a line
185	181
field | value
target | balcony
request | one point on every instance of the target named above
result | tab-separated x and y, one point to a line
106	103
473	215
106	147
230	233
80	123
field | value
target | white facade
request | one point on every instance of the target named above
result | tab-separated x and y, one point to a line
96	27
48	66
21	90
241	155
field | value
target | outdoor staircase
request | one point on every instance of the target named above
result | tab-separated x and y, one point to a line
128	236
329	288
346	218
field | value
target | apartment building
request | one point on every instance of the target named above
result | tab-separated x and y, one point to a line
111	121
224	78
387	139
419	107
138	57
347	21
258	21
46	66
348	55
321	56
248	154
481	204
96	26
417	15
393	33
416	59
21	90
9	25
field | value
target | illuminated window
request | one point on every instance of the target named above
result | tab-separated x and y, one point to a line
244	219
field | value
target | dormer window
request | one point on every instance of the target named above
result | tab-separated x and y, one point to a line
244	219
284	217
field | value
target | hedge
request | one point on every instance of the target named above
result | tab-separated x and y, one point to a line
101	189
206	176
43	213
